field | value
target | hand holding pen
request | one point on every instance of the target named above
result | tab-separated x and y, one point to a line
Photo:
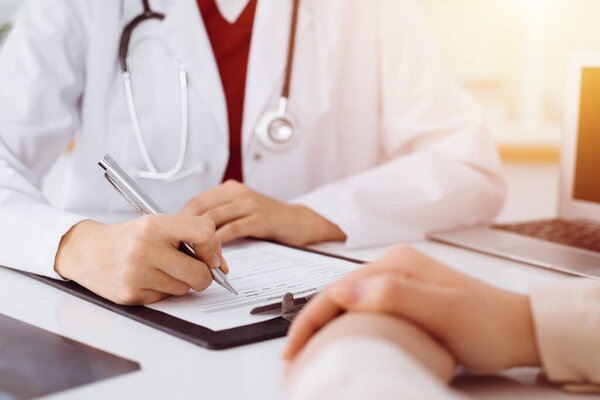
138	261
135	196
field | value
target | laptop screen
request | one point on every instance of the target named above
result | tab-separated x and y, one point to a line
587	160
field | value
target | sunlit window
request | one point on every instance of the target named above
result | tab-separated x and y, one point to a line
512	56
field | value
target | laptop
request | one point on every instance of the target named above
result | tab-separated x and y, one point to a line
571	242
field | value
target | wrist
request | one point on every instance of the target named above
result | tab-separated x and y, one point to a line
524	337
319	229
67	249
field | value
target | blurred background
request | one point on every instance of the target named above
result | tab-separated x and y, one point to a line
510	54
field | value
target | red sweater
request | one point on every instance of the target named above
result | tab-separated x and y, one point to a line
231	48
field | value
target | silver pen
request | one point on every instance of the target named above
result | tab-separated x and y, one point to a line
135	196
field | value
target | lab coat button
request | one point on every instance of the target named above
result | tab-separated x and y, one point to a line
257	157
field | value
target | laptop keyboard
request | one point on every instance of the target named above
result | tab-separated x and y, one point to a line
580	234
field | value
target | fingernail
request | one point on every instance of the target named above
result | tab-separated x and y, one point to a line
346	293
225	267
216	260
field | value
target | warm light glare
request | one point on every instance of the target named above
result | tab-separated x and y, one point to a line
539	7
532	7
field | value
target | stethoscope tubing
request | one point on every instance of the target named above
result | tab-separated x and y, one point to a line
285	90
277	129
264	126
153	172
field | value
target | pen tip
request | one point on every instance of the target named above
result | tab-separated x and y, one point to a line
231	289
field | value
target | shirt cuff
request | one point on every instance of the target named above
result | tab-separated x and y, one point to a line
35	233
337	202
366	368
51	242
567	324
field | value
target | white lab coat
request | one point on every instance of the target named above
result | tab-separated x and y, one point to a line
391	147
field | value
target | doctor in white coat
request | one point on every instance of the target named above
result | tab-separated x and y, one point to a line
386	148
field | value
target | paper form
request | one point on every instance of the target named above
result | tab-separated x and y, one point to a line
262	273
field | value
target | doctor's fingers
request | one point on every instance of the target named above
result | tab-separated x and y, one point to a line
316	314
247	226
140	297
148	285
183	268
212	254
229	212
179	228
219	251
158	281
212	198
135	282
198	231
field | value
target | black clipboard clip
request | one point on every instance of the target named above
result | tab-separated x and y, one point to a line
287	308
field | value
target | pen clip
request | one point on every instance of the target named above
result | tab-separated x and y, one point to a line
119	190
287	308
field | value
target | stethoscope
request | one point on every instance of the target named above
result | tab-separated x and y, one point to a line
277	130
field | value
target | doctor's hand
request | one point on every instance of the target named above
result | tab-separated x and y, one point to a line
239	211
486	328
137	262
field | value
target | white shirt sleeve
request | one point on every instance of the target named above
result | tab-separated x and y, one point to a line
442	169
366	368
41	84
567	324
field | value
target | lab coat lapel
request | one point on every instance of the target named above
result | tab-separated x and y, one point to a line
268	56
185	32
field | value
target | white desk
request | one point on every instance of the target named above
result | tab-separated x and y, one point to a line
173	368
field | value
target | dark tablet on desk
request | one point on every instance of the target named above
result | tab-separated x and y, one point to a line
35	362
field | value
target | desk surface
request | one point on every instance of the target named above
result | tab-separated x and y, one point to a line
173	368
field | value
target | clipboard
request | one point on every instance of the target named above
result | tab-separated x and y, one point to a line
196	334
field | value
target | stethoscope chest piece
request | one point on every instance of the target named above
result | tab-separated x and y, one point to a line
277	130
